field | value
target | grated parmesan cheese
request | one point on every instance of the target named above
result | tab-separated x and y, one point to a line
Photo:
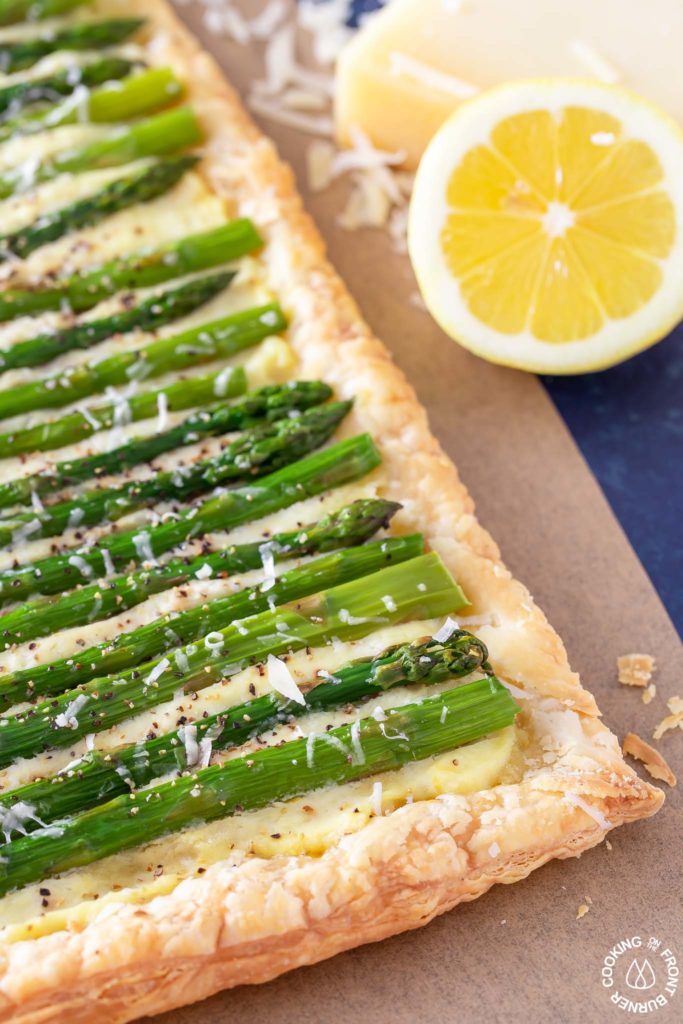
36	503
358	753
24	531
80	563
162	407
214	641
14	818
313	125
319	156
182	664
187	734
444	632
67	719
108	562
304	99
268	563
220	385
143	547
158	670
327	24
592	812
264	24
76	516
282	680
377	798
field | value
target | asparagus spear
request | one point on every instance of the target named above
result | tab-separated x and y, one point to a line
412	732
97	778
147	645
131	648
114	101
62	83
339	464
257	451
141	270
149	315
183	394
351	525
164	133
216	340
139	186
86	35
267	404
12	11
347	611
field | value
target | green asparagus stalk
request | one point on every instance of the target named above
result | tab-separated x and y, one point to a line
12	11
152	313
130	649
261	450
97	778
412	732
216	340
160	135
351	525
141	270
267	404
139	186
347	611
148	645
114	101
183	394
86	35
62	83
339	464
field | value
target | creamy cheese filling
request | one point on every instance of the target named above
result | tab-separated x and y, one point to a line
186	209
21	210
305	825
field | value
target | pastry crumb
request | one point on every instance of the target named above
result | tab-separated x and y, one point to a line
608	844
654	763
648	693
672	721
635	669
582	911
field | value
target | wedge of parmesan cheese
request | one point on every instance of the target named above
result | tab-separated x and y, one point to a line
411	65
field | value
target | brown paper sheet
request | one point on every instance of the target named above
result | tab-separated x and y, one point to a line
517	954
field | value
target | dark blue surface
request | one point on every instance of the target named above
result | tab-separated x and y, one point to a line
628	422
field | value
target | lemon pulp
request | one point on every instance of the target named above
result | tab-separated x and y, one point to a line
558	224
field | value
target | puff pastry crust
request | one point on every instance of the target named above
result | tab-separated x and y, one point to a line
252	922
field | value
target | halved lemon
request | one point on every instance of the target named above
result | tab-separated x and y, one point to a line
546	225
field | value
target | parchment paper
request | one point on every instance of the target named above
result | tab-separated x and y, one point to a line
517	954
